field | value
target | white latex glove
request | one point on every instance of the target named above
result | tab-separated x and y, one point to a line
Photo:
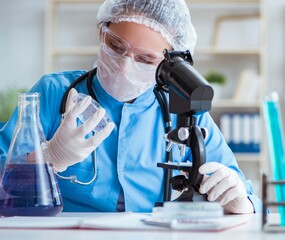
68	145
223	185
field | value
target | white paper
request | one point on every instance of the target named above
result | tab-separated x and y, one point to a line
124	221
39	222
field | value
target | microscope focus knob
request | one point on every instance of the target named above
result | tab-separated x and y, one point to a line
183	133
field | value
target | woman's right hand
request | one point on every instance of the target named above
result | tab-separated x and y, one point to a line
69	145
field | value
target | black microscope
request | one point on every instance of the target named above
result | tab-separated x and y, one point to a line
189	95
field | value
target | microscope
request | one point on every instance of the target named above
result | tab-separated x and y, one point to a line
189	95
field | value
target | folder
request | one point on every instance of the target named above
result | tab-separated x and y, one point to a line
241	131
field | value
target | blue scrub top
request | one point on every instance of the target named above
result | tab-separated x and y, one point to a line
127	159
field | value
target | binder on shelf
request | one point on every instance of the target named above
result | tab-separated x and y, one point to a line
256	132
241	131
237	133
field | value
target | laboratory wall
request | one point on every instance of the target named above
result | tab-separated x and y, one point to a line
22	43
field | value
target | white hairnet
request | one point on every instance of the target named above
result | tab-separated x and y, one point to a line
169	17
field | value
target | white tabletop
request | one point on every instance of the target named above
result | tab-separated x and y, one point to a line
251	230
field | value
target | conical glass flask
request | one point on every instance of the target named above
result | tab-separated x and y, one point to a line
29	186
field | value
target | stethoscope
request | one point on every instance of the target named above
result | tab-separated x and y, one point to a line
89	76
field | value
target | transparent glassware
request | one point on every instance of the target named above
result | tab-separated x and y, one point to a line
274	126
91	109
29	186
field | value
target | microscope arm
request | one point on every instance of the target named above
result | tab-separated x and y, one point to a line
198	150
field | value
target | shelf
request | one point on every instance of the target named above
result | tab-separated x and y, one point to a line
77	51
192	3
223	1
253	4
229	103
77	1
248	157
187	1
91	50
229	51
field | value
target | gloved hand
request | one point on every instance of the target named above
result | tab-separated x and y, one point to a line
223	185
69	145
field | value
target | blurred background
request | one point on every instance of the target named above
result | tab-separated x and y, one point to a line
240	51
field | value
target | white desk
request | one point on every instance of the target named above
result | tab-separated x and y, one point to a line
250	231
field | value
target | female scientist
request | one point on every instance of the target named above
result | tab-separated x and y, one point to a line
133	34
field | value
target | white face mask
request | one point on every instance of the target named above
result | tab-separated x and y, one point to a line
122	77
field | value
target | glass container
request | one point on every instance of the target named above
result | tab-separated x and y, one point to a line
28	185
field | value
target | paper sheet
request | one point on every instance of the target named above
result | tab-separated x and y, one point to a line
124	221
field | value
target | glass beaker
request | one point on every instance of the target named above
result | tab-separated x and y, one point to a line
29	186
91	109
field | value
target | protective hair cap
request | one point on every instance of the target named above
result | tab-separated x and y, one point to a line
169	17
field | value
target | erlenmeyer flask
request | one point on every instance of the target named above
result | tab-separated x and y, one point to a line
29	186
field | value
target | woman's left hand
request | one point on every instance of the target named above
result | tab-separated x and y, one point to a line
223	185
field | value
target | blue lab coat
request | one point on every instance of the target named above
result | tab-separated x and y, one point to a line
128	158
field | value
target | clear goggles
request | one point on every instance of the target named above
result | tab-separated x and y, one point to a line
119	47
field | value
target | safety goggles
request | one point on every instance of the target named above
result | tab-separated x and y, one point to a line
120	47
